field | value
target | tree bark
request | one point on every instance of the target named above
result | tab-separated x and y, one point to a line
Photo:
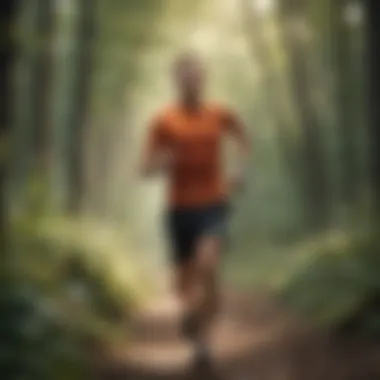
314	173
8	14
41	85
81	92
346	107
373	48
273	96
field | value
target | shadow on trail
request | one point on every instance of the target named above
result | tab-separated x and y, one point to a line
204	371
254	339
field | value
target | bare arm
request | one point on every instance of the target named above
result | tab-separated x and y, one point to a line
237	130
154	150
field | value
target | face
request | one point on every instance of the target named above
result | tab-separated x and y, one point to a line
190	77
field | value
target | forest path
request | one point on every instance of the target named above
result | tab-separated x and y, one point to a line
254	338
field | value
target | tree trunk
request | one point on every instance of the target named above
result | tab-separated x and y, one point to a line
346	107
41	85
6	61
274	97
373	36
82	85
314	173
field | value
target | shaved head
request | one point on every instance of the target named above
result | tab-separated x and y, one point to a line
185	60
189	75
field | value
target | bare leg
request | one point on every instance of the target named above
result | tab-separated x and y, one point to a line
207	263
188	290
197	287
184	282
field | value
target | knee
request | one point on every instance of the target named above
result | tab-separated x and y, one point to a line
184	279
208	255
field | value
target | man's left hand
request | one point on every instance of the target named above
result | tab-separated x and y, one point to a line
237	183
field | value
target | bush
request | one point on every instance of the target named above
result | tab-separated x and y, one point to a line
33	344
339	287
69	288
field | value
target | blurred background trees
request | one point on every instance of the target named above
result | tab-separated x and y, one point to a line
83	231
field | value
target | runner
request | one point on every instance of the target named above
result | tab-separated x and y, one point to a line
184	143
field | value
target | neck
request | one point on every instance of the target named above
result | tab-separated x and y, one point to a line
190	102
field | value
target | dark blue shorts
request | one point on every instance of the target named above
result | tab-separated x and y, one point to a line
187	225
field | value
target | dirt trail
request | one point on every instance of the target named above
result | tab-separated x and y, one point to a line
253	339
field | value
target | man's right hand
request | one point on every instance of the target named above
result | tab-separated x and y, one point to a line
237	182
158	164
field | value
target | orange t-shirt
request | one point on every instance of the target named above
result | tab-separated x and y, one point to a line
194	138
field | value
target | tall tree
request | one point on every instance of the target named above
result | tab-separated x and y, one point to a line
87	12
373	36
6	60
293	15
41	84
272	88
345	81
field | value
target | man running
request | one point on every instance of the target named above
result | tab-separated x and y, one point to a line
184	142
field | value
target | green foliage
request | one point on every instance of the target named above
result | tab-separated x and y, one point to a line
334	285
36	194
80	255
124	29
33	344
73	284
